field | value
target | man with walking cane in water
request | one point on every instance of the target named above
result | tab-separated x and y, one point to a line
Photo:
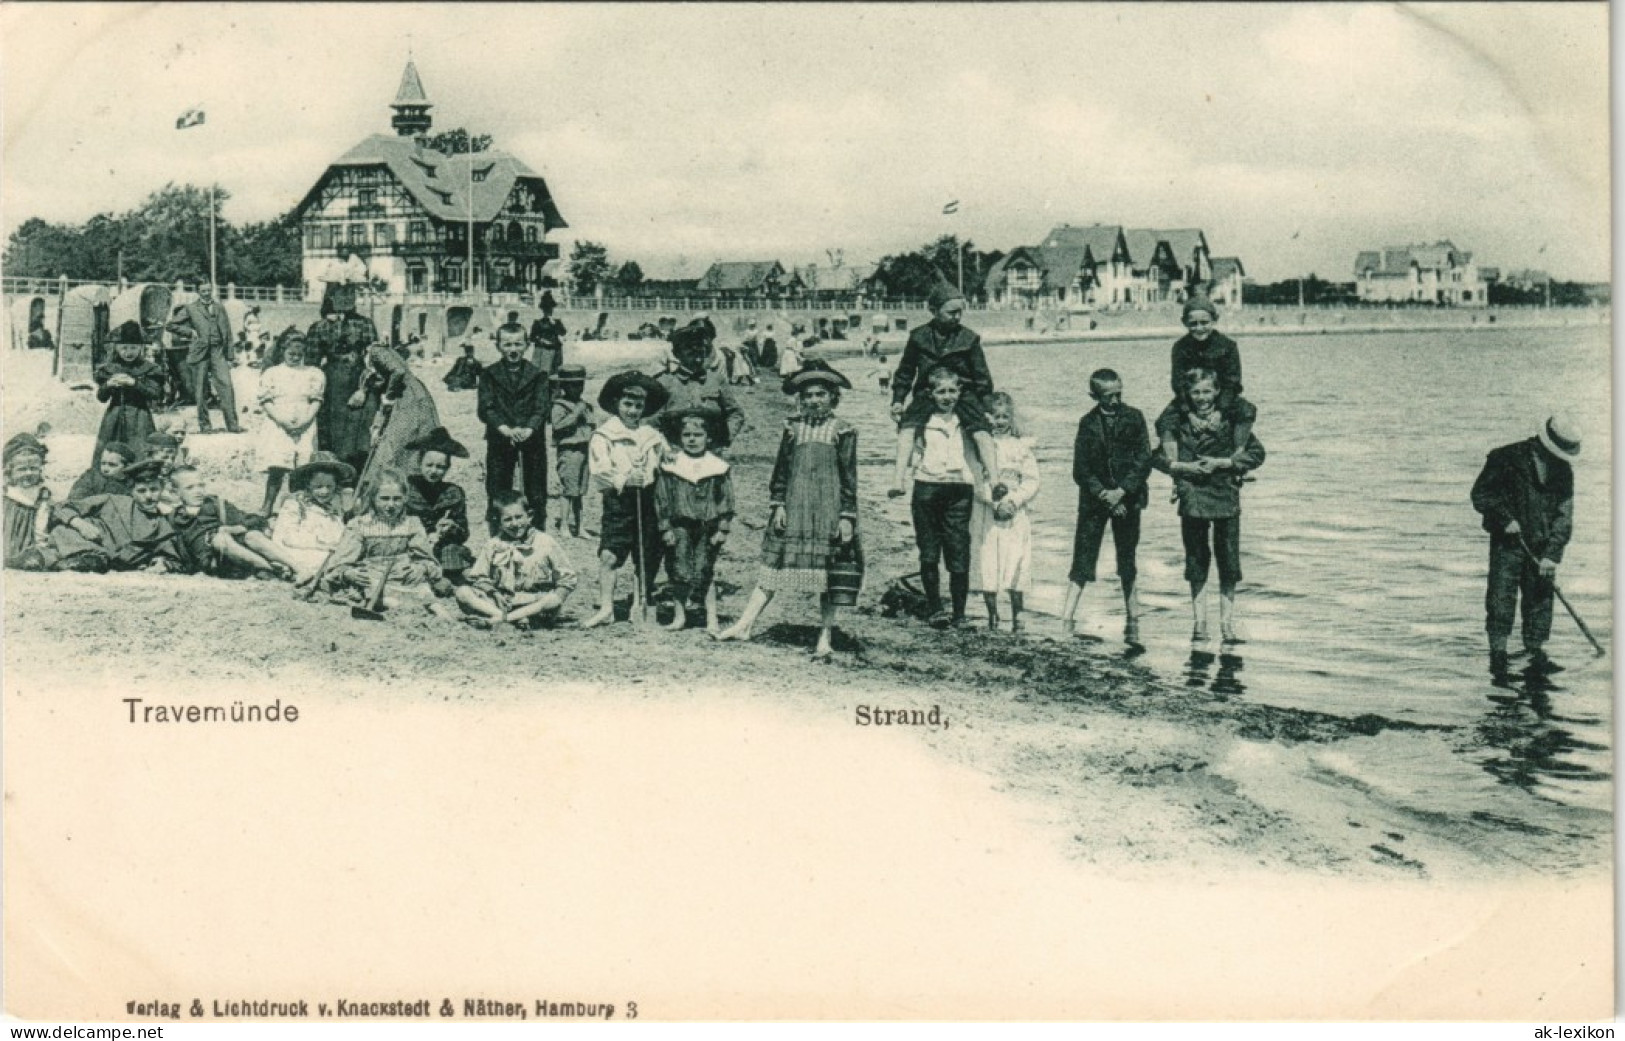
1526	496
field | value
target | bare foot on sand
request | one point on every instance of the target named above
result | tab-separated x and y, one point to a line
603	616
679	619
733	632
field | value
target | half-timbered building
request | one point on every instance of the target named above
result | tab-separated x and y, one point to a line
409	212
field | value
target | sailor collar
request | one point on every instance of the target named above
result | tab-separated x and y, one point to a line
695	469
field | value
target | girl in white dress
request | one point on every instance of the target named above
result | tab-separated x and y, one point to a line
291	395
1000	521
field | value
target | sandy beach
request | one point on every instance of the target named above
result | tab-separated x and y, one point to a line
647	800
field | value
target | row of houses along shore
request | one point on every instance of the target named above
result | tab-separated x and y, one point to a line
422	223
426	223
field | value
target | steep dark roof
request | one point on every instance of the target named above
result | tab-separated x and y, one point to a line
1224	267
1099	239
1184	242
1397	260
441	183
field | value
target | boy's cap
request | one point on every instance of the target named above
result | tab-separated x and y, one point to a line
941	294
439	440
162	441
571	374
655	395
24	443
1199	303
146	470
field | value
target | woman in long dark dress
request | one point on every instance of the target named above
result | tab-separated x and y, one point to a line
338	343
408	411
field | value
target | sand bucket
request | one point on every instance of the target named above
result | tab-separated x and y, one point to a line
844	575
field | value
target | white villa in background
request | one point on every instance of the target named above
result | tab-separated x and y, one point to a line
1102	266
1428	274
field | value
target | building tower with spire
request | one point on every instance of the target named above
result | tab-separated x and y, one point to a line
425	221
411	105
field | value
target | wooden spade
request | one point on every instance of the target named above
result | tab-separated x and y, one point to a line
374	611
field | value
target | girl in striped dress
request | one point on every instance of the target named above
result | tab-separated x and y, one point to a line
814	506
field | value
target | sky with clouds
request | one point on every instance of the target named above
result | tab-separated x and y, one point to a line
1294	135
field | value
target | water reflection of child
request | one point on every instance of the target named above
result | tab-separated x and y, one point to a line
1199	453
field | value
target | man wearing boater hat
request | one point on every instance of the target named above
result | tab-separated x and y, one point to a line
1526	496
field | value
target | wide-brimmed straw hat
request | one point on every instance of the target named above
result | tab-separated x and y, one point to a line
321	463
812	373
655	396
439	440
1561	437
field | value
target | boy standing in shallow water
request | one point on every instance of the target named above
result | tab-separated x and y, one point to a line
519	575
1204	347
1111	461
943	492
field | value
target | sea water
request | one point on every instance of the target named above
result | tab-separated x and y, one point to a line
1363	559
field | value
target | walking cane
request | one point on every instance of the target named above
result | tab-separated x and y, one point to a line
1565	601
638	556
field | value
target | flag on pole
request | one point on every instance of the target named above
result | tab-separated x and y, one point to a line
952	207
190	118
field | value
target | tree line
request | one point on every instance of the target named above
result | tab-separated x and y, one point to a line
164	239
907	275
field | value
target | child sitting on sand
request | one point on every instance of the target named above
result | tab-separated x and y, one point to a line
385	551
126	532
520	576
943	491
441	506
216	538
106	475
1001	524
310	522
813	514
27	505
694	500
464	373
622	455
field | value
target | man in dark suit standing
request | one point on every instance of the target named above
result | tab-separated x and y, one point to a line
514	404
209	356
1111	462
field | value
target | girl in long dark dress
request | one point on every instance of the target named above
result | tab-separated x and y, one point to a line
131	385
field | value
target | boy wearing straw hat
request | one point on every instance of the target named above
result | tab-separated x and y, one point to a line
624	454
1525	494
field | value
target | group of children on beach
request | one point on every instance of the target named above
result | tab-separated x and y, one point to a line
667	496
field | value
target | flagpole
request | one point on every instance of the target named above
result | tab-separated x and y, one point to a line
471	225
211	233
